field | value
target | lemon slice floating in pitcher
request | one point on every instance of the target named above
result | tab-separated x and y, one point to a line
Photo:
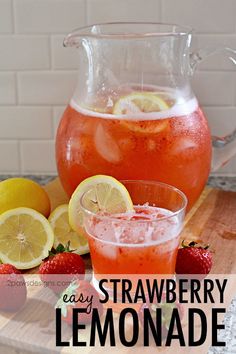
142	102
25	237
105	194
59	220
139	102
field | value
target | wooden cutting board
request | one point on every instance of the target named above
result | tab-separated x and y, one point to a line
212	220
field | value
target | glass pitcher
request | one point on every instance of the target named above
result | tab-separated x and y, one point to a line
133	114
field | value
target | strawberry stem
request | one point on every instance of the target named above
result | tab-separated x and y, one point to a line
193	244
60	249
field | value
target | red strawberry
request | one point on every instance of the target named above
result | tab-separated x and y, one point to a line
13	292
85	296
192	259
61	268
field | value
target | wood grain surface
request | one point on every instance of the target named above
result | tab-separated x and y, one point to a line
212	220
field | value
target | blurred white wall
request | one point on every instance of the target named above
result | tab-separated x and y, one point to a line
37	75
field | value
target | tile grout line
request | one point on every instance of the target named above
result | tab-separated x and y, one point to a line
13	16
50	52
86	11
36	70
160	9
62	33
234	91
20	157
52	135
16	88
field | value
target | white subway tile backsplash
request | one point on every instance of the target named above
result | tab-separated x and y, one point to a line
46	87
204	16
38	75
219	60
227	169
9	157
234	91
6	22
63	58
57	115
49	16
25	122
214	88
7	88
24	52
222	120
38	157
123	10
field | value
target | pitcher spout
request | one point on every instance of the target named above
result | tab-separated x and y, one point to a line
75	38
72	40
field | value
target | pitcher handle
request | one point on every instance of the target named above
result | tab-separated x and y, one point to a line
224	147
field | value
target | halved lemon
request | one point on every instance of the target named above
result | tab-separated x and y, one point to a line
142	102
105	194
59	220
139	102
25	237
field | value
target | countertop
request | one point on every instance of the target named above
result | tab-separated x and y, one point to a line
223	182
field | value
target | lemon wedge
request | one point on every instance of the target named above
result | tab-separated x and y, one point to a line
139	102
59	220
104	193
25	237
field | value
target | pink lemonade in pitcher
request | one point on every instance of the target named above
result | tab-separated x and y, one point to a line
149	134
133	114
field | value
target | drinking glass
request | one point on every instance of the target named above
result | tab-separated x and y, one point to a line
141	242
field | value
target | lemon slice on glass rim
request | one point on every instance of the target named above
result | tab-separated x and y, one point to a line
104	193
26	238
59	221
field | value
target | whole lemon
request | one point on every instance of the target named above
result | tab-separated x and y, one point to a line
23	192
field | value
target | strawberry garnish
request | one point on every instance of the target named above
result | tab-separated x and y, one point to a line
193	259
61	268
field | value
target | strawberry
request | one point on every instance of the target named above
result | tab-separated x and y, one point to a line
61	268
85	296
13	292
193	259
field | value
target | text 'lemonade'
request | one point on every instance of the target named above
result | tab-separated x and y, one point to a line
153	134
144	241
